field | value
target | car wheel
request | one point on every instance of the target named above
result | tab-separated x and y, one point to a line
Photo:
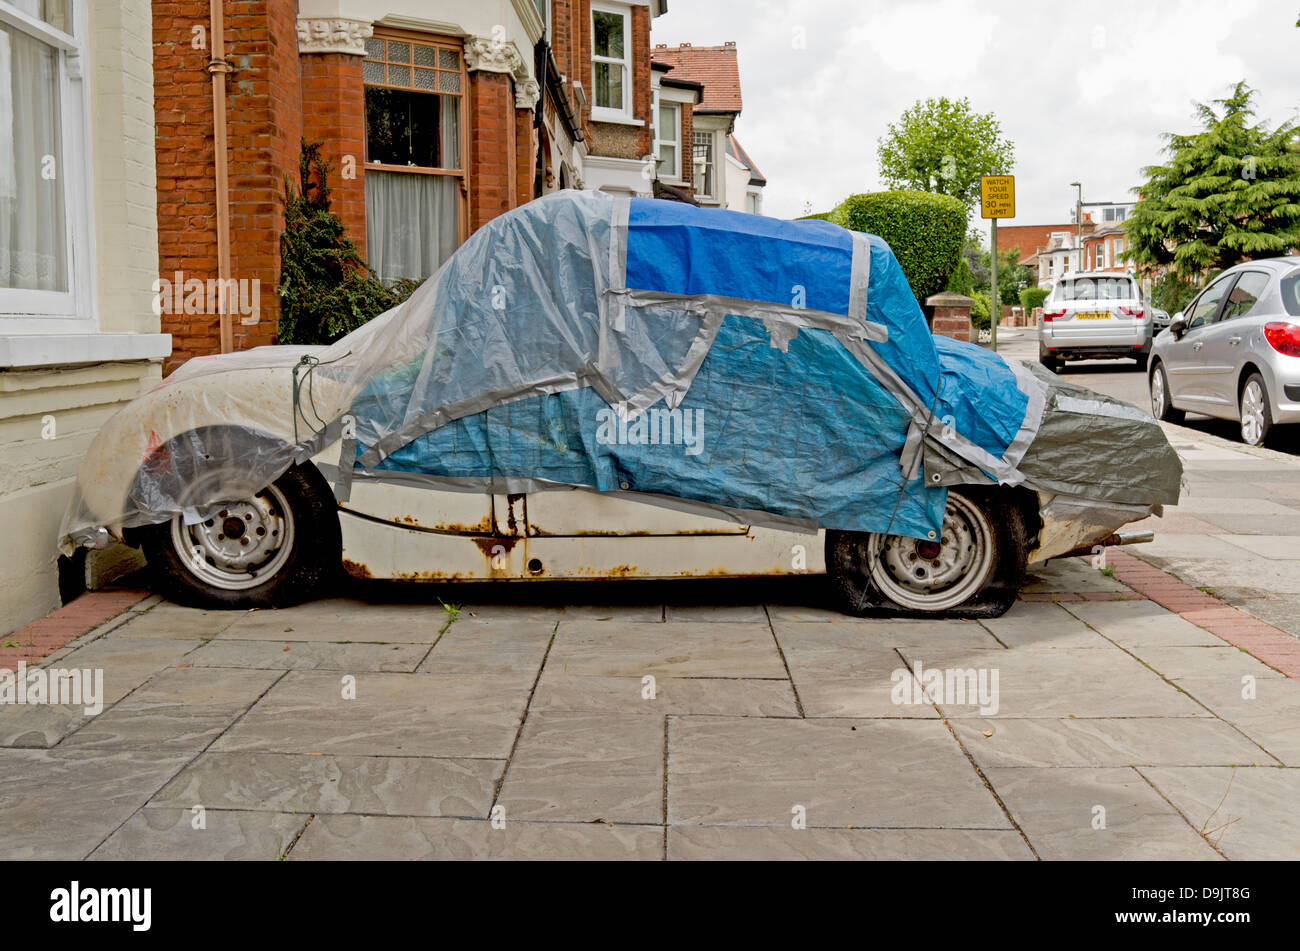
273	549
974	569
1256	412
1161	406
1141	361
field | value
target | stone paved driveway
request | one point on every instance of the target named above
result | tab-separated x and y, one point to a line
344	729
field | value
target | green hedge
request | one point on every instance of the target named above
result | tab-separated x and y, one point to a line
1032	297
926	231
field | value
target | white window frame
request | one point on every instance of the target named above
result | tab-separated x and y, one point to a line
26	311
713	153
599	113
674	173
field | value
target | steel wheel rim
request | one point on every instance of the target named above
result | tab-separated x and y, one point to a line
963	565
1252	413
218	555
1158	393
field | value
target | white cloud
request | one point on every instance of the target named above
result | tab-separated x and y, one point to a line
1084	90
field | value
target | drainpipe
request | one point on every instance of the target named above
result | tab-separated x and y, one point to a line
218	68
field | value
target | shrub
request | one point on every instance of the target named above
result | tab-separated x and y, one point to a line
1032	297
926	231
981	312
1172	293
326	290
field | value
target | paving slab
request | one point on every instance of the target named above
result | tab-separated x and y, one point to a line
735	844
1032	625
392	715
169	835
1060	810
1133	624
342	621
849	633
674	649
586	768
296	783
859	773
178	709
1173	741
678	696
471	648
715	613
1268	545
371	838
172	620
61	804
1179	663
1068	682
848	676
1248	812
308	655
1271	718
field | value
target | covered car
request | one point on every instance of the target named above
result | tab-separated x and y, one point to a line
597	386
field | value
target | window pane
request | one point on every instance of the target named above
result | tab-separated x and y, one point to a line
668	159
411	128
1250	288
609	86
399	75
411	223
33	227
374	48
426	56
399	52
668	123
607	39
449	82
704	154
372	72
448	59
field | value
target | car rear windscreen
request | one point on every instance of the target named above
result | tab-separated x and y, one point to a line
1096	288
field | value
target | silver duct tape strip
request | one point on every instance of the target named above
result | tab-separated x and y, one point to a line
672	389
618	231
781	314
511	485
1071	404
347	465
859	277
1037	391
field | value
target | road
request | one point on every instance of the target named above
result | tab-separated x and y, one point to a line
1120	379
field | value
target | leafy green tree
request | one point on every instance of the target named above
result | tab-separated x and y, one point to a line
944	146
1228	193
326	289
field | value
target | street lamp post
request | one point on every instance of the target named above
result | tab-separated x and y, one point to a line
1078	222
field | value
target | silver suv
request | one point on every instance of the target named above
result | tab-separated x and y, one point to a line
1099	316
1234	352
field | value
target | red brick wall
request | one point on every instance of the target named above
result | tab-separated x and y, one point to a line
525	157
333	112
688	146
264	131
493	148
641	91
187	236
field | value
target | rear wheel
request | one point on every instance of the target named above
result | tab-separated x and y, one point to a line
1141	360
1256	411
274	548
973	569
1161	406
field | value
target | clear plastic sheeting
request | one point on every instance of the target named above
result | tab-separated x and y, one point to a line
698	357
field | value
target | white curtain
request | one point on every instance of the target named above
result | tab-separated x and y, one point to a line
410	222
449	130
33	235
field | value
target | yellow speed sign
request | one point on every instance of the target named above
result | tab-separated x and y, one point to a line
998	196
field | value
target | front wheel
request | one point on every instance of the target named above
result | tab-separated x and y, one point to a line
1162	407
274	549
974	568
1256	411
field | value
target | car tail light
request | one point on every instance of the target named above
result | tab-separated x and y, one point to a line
1137	313
1051	315
1283	337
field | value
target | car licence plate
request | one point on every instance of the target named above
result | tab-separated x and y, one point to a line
1093	316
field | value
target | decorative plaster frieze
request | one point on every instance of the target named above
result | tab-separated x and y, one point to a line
527	92
333	35
489	55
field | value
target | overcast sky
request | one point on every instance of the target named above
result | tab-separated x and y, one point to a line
1084	90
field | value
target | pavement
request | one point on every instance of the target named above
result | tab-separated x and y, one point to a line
1143	706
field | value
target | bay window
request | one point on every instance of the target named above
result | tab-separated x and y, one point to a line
668	133
44	223
611	61
415	152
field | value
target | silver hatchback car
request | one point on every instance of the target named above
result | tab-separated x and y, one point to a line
1234	353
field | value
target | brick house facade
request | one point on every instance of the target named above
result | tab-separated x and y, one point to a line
434	119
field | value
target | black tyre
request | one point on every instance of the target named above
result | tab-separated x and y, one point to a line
1141	360
1162	407
276	548
973	570
1256	411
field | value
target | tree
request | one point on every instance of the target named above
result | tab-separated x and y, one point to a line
942	145
326	289
1226	194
